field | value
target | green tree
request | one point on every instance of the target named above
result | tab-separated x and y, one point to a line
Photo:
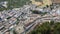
47	28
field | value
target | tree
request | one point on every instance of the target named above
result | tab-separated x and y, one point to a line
38	12
47	28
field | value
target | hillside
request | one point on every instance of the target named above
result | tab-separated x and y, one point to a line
14	3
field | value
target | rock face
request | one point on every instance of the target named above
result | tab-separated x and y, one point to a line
47	2
36	3
42	3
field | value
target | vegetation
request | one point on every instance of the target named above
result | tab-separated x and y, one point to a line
14	3
38	12
17	22
47	28
39	0
8	17
17	3
14	32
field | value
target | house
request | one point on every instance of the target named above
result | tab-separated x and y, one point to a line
12	20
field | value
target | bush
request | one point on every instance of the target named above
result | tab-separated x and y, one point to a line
38	12
8	17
